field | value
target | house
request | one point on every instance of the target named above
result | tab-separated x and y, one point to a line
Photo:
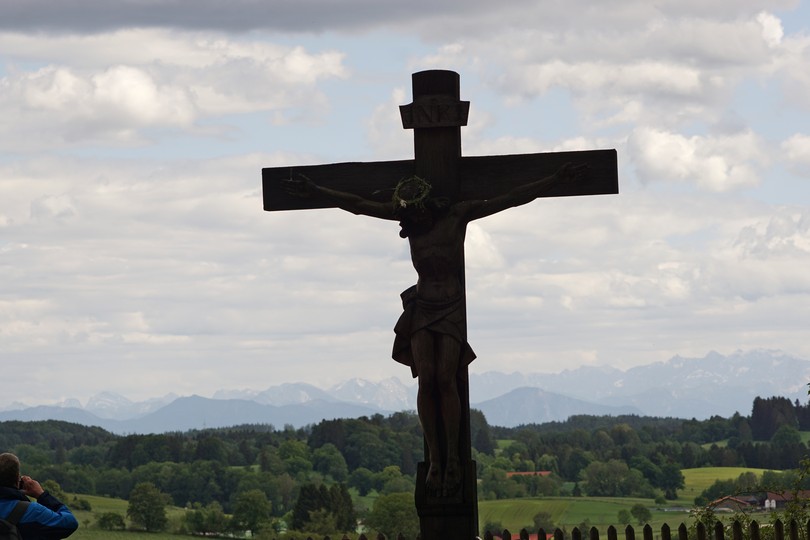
779	499
510	474
730	503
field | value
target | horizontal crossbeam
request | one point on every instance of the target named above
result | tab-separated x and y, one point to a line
480	177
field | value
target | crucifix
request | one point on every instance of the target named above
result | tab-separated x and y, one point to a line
434	196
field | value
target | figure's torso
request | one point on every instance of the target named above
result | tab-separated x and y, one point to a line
438	257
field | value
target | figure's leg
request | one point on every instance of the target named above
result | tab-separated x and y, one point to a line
422	348
448	357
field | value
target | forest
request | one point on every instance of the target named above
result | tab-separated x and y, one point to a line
305	474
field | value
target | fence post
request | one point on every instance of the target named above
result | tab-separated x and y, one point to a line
593	534
719	531
488	535
541	534
646	532
793	529
524	534
753	530
506	535
612	533
576	534
666	533
779	530
629	533
736	531
701	531
558	534
683	532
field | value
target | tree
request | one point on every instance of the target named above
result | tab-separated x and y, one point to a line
543	520
615	479
147	507
310	499
624	517
671	480
251	509
207	520
641	513
768	415
362	479
328	461
342	507
111	521
394	514
53	487
480	433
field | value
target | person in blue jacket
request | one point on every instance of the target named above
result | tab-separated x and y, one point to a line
47	518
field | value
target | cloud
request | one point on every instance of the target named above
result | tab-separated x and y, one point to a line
796	151
235	16
715	163
169	264
120	93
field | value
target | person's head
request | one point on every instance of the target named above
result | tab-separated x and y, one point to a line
9	470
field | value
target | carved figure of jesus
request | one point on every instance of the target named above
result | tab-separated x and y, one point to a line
431	333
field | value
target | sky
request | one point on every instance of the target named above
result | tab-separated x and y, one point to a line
135	256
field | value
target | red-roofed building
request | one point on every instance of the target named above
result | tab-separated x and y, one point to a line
778	499
527	473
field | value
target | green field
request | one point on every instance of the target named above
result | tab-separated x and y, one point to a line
513	514
100	505
569	512
697	480
602	512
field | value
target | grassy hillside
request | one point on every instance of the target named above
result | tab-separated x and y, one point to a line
569	512
514	514
697	480
100	505
602	512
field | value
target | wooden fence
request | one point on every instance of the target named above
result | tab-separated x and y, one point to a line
720	531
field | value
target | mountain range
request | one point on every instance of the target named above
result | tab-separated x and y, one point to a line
680	387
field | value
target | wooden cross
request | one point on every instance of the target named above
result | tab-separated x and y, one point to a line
436	116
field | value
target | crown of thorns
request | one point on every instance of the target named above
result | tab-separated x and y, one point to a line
411	191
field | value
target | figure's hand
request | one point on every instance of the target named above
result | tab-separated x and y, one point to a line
570	172
299	187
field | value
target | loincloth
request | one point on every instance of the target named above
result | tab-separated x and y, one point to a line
445	318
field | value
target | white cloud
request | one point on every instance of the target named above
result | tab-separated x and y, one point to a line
796	150
170	265
121	89
772	31
715	163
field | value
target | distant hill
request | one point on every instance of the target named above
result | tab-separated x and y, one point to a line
680	387
195	412
536	406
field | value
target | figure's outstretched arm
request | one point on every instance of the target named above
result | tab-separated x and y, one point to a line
523	194
304	187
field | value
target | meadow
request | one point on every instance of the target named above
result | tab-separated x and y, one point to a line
601	512
566	512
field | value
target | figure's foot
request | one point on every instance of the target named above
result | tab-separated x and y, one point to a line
433	483
452	478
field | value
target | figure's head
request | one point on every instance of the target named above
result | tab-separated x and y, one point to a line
414	206
411	193
9	470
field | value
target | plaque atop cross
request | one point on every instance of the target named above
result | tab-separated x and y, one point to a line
434	196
